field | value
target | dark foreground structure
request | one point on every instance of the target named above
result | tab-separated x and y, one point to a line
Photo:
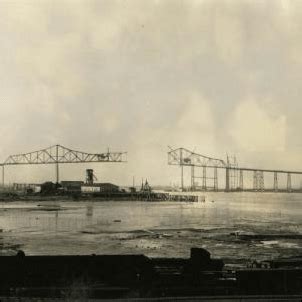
137	276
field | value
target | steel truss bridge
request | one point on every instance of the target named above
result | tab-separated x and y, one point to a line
58	154
233	173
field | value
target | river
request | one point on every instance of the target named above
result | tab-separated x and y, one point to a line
156	229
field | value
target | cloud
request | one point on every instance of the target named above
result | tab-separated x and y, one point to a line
216	76
254	130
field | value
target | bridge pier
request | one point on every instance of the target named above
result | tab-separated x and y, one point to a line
227	179
181	170
57	173
215	179
204	178
258	181
57	164
182	177
289	182
241	180
192	178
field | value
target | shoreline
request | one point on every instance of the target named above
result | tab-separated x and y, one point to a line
139	196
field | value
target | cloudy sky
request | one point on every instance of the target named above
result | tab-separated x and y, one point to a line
214	76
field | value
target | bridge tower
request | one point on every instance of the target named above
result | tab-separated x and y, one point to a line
289	182
192	178
181	170
258	181
227	179
241	180
204	178
215	179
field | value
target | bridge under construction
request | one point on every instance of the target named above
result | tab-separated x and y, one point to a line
204	171
234	176
58	155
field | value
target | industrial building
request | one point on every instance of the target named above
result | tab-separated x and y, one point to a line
71	186
99	188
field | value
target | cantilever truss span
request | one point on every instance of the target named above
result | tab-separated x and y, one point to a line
185	157
58	154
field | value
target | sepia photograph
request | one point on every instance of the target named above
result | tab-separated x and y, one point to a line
151	150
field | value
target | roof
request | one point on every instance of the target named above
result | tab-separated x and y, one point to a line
71	182
100	184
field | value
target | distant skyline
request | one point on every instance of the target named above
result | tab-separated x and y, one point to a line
215	76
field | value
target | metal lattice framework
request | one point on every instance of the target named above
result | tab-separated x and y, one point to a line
185	157
58	154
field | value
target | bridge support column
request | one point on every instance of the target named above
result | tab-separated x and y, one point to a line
261	181
258	181
241	180
255	181
182	177
227	179
57	164
192	178
181	170
215	179
3	182
57	173
289	182
204	178
275	181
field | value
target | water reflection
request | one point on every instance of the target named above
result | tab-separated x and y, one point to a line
56	219
89	211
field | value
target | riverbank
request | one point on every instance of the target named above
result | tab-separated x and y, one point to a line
121	196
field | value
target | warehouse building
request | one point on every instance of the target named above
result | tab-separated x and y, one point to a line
99	188
71	186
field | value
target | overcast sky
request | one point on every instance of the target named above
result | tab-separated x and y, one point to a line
215	76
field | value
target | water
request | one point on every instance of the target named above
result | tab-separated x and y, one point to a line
156	229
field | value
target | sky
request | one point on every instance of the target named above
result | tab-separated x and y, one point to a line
218	77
